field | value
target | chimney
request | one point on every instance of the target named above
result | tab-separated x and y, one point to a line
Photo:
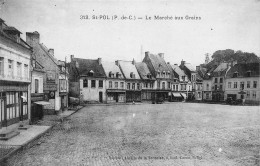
51	51
197	68
99	61
71	58
32	37
133	62
147	53
116	62
182	63
161	55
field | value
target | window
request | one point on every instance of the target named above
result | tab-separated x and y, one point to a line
151	85
163	85
158	85
242	85
207	96
85	83
229	84
248	84
149	76
19	69
132	75
220	87
110	84
221	80
116	84
173	87
26	71
216	87
207	86
100	83
138	86
10	68
118	75
254	94
255	84
110	74
248	94
91	73
216	80
248	73
128	85
36	83
1	66
176	87
133	85
235	84
169	85
93	83
183	78
235	74
122	85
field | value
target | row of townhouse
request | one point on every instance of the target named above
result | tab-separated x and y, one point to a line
229	79
92	80
31	80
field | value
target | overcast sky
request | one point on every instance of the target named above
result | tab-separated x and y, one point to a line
224	24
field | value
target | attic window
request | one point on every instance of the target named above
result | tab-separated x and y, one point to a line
111	74
160	65
248	73
149	76
235	74
91	73
132	75
118	75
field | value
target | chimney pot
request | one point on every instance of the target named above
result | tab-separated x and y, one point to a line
99	61
71	58
32	37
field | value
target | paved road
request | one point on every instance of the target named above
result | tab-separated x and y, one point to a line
165	134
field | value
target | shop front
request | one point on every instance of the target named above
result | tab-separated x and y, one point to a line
133	96
13	103
116	96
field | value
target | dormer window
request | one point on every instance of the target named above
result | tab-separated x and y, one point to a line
160	65
132	75
149	76
118	75
110	74
91	73
248	73
235	74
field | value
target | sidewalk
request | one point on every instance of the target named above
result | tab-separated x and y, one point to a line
9	147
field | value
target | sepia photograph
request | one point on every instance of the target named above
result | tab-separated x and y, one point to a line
129	83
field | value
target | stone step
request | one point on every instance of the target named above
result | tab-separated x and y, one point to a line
6	135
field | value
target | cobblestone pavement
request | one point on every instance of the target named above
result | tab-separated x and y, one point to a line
164	134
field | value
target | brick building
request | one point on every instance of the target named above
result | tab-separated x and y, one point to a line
50	64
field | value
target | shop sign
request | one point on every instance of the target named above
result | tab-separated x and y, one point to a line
50	87
51	76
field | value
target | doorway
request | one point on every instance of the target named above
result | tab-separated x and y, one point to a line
100	97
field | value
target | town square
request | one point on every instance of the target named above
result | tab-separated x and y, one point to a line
130	83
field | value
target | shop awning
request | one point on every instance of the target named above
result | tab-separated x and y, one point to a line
176	95
42	102
184	95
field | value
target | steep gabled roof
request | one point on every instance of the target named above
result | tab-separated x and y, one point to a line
111	67
242	70
143	70
46	50
178	70
86	65
220	70
190	67
158	63
127	67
